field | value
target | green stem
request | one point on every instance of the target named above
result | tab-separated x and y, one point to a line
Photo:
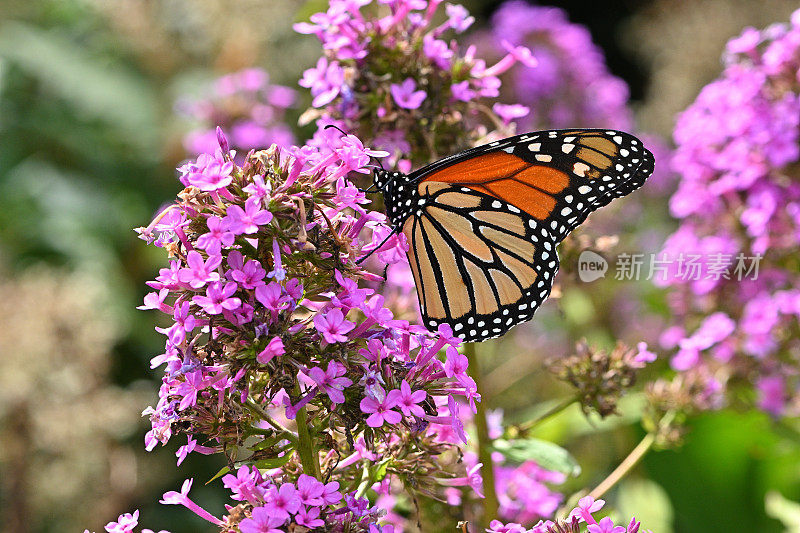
489	502
625	466
634	457
305	446
524	428
285	432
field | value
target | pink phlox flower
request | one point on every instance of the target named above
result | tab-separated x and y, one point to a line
374	352
488	86
331	380
184	323
167	277
408	401
195	382
125	523
715	328
586	506
633	526
310	491
240	316
358	506
455	363
217	236
348	195
380	411
405	94
455	420
210	173
273	349
458	17
247	220
172	221
294	289
249	276
262	520
392	248
470	390
309	517
270	295
331	495
643	355
354	156
182	498
333	326
446	335
375	311
772	394
325	81
350	295
282	501
155	300
171	353
543	526
218	297
245	485
463	91
199	272
496	526
606	525
185	450
473	479
258	189
510	112
437	51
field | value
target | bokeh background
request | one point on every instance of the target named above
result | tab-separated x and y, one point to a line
90	135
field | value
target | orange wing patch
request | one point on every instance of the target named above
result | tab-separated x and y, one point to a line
508	178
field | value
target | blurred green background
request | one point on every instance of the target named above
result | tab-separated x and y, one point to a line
88	145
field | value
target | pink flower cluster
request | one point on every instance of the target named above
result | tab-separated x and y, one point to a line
571	84
739	206
268	321
246	105
582	514
360	85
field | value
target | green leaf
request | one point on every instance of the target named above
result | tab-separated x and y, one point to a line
372	474
546	454
379	470
647	501
110	93
267	442
224	470
275	462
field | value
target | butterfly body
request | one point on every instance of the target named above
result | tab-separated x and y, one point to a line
483	225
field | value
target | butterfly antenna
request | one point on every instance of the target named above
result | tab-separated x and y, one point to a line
369	189
334	126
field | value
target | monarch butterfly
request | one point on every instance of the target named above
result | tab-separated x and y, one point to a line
483	225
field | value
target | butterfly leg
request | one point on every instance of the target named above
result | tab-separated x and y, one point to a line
377	248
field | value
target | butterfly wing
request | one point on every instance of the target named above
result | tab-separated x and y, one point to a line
478	266
482	242
560	176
